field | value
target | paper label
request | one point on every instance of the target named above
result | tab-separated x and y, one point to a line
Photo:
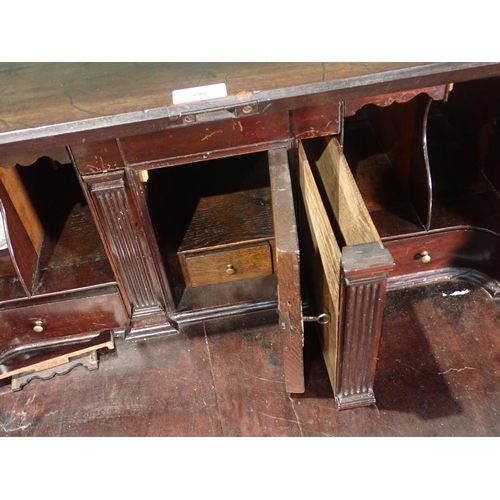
199	93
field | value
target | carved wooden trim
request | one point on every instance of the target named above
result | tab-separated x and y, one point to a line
437	92
138	192
363	286
128	253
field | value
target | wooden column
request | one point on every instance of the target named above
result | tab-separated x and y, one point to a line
130	254
364	272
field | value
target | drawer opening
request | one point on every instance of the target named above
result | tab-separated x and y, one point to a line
460	231
52	241
214	227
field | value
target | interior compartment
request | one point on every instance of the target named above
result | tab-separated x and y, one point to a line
54	245
428	173
379	145
214	226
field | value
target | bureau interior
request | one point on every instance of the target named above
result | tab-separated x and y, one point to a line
379	145
54	244
405	193
428	174
213	222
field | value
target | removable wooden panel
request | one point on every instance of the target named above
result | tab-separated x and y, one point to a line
46	364
229	218
337	217
229	265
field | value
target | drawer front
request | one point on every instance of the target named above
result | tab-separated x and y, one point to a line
229	265
465	247
206	137
61	318
317	121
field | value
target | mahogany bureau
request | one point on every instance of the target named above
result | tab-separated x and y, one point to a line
147	199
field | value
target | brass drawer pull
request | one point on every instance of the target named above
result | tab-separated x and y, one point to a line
425	257
230	269
38	328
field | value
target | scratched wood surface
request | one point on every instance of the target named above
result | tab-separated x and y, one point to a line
437	375
75	91
71	97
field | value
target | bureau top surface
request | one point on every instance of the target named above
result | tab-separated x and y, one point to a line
41	100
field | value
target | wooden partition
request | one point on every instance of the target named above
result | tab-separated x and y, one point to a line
24	229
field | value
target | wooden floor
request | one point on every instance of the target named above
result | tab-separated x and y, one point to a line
438	375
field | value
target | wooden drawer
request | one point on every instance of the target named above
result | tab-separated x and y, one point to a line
229	265
464	251
348	266
72	316
205	137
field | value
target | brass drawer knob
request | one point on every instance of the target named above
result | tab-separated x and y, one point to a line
230	269
425	257
38	328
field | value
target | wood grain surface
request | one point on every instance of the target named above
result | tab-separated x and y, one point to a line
437	376
46	100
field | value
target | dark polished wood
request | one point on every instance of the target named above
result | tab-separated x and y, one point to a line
129	251
437	375
69	293
158	208
365	270
99	101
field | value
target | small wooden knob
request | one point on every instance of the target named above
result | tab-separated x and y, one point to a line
230	269
425	257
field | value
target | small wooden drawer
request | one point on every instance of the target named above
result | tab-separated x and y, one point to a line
80	315
467	248
229	265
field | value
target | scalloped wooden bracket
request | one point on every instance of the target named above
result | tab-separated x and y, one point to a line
61	362
437	93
